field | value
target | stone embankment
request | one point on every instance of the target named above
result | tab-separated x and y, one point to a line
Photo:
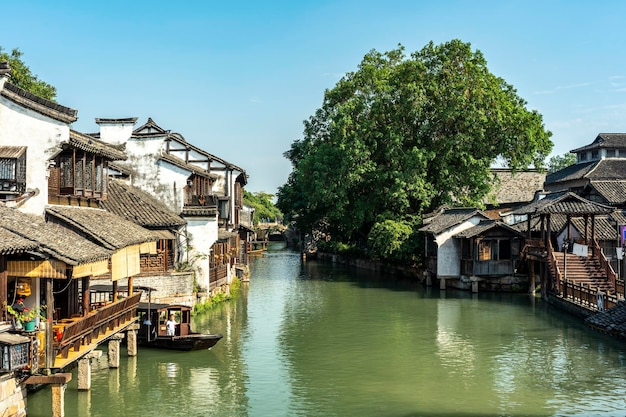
611	322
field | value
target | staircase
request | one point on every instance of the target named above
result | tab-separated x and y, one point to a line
586	271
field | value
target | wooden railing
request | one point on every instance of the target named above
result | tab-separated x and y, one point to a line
605	264
586	297
82	331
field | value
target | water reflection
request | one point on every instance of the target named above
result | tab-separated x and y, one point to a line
315	339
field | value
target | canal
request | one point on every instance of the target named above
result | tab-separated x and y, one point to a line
316	340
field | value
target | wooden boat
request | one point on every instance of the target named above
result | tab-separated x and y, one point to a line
152	331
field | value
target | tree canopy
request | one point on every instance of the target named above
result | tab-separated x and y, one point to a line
263	206
22	77
403	135
558	162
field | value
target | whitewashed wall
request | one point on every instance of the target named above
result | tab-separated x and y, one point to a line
42	135
202	235
449	249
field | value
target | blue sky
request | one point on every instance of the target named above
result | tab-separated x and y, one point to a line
238	78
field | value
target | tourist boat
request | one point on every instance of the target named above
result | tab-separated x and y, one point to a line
152	331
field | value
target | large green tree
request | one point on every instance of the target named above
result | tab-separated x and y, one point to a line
402	135
263	206
22	76
559	162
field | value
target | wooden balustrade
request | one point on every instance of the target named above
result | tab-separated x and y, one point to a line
604	263
84	330
585	296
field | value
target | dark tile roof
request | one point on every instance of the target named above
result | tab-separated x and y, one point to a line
139	207
100	120
199	211
601	170
572	172
605	228
563	203
52	239
486	225
92	145
614	192
38	104
608	169
557	223
120	168
515	187
111	231
612	321
605	140
619	217
10	243
449	218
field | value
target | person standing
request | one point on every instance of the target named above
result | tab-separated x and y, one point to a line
170	326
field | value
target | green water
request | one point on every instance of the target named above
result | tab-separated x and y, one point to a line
315	339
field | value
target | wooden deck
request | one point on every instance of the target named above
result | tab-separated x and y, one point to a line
82	335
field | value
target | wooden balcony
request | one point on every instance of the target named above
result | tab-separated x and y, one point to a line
487	268
81	335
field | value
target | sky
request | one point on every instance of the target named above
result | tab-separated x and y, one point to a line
238	78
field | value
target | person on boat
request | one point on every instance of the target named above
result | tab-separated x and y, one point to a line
170	326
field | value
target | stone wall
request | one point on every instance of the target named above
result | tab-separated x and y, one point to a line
377	266
172	288
12	397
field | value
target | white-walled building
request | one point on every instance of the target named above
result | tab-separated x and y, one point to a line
204	189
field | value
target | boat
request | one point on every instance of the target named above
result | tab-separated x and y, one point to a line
152	331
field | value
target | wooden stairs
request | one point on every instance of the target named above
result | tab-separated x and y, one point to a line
586	271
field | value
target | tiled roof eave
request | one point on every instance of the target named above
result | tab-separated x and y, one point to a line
38	104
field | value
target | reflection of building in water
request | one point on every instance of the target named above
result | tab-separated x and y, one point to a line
455	351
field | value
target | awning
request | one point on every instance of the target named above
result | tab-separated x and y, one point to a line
91	269
125	262
50	268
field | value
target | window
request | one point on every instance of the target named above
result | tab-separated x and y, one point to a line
594	154
582	156
494	249
199	191
12	171
78	173
610	153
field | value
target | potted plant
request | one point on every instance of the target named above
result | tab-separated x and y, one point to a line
26	317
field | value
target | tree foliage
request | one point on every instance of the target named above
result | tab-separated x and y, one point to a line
263	206
558	162
22	77
402	135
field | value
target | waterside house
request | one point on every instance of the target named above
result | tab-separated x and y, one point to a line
203	189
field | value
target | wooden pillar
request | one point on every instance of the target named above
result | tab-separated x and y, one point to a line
84	370
114	350
3	285
50	355
114	291
130	286
531	275
86	296
59	384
